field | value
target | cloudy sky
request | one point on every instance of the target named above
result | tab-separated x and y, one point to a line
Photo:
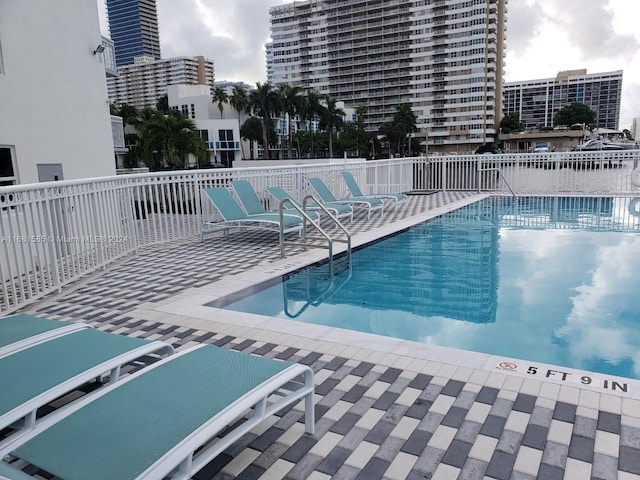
543	38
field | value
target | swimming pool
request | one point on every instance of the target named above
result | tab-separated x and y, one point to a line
544	279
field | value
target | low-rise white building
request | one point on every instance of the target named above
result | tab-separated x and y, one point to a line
221	134
54	112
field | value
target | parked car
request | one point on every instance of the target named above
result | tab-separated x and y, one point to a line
541	147
487	148
598	144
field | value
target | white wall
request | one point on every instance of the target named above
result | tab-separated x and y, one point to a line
53	90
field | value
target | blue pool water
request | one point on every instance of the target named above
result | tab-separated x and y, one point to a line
552	280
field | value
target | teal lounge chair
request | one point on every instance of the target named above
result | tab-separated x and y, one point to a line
354	188
169	419
234	216
253	205
42	372
21	331
326	196
338	210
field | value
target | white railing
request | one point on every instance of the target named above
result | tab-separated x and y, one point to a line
54	233
594	173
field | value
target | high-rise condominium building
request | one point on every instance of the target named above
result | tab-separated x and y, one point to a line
444	57
133	27
142	83
635	129
538	101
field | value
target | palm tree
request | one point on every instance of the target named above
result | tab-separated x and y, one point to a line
162	104
149	113
291	101
131	118
332	117
130	114
251	130
239	101
405	122
220	97
362	136
265	102
173	137
312	107
392	135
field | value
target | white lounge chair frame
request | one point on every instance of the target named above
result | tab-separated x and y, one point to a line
26	412
326	195
38	337
279	194
267	221
354	189
182	461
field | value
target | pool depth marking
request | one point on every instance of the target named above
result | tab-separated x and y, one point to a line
564	375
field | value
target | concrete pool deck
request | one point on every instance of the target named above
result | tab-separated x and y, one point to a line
385	408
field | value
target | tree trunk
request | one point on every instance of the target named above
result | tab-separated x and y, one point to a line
330	144
265	139
289	146
241	142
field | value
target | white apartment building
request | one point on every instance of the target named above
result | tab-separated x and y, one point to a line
538	101
221	134
143	83
54	112
225	144
444	57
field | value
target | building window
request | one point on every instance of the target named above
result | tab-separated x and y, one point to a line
193	111
226	139
185	111
204	134
7	173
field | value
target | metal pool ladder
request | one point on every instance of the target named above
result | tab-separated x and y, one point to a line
308	241
500	174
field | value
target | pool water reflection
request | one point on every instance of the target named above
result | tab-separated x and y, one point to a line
551	280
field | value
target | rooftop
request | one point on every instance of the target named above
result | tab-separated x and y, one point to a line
385	408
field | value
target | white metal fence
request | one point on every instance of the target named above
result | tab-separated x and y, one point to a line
54	233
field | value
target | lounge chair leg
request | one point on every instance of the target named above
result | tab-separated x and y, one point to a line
309	409
115	374
30	419
184	469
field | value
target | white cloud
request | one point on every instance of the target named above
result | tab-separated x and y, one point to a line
601	316
574	34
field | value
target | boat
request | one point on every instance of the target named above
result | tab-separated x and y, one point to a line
600	144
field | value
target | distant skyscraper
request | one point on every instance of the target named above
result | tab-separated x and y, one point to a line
538	101
444	57
133	26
